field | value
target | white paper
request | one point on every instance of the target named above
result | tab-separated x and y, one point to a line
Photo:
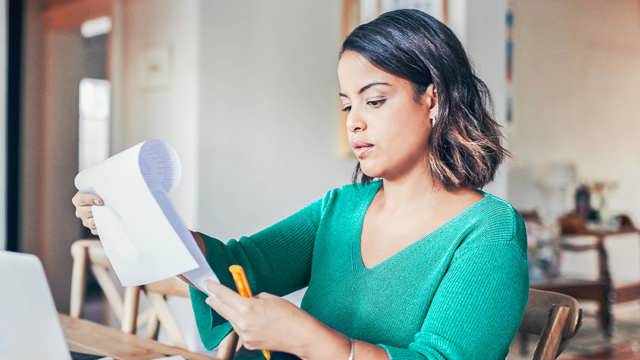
142	234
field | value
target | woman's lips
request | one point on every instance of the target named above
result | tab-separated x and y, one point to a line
362	151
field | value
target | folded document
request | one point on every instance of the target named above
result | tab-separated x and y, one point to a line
142	234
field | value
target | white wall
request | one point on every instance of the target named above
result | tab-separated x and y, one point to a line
269	111
577	84
485	44
168	112
3	123
481	28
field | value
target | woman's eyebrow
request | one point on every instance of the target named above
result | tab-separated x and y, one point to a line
364	88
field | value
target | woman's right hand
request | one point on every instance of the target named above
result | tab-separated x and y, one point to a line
83	202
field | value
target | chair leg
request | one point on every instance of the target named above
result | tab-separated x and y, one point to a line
152	326
163	312
608	296
605	315
130	313
109	289
79	254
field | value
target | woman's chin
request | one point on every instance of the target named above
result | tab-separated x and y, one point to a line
370	171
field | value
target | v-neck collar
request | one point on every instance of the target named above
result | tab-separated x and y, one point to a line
362	211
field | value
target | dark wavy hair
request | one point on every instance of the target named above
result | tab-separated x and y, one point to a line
464	145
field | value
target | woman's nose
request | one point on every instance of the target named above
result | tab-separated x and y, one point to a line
355	122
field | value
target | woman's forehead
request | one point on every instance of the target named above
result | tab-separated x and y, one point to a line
355	72
352	62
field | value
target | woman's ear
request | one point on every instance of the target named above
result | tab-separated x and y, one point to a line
431	100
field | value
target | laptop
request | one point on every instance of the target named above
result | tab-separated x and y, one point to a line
29	325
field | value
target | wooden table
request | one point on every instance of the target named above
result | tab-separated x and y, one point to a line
92	338
602	289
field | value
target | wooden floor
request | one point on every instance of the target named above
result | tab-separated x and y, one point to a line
625	351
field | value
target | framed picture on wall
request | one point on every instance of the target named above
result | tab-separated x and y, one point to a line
356	12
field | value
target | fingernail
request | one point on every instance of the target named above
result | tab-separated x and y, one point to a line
97	202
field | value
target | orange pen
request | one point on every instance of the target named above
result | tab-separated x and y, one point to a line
245	291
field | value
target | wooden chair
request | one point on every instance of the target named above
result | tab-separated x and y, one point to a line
90	252
156	293
555	317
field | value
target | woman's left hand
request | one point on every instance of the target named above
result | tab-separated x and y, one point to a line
264	321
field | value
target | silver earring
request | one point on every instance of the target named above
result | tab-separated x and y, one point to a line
433	122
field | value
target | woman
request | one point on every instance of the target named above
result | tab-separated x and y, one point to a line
412	260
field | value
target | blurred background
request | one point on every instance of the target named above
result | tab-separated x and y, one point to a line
246	92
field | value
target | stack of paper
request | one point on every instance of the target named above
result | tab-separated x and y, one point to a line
141	232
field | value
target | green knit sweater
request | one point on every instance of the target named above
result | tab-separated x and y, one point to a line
457	293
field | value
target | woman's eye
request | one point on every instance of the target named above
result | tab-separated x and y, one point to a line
376	103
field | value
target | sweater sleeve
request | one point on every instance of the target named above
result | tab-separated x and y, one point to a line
276	260
479	304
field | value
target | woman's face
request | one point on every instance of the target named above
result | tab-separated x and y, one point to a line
382	111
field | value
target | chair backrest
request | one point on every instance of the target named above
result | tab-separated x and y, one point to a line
156	293
555	317
90	253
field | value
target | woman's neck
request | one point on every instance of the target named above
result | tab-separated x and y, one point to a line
410	192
